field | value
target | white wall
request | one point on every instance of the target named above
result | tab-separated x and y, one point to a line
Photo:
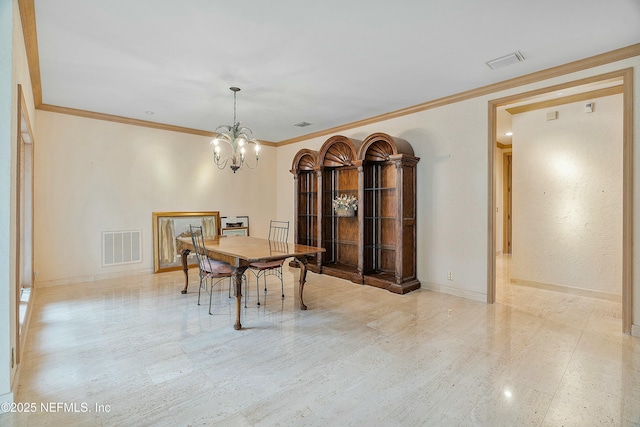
94	176
567	196
13	71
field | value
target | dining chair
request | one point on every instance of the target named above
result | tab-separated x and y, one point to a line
211	270
278	235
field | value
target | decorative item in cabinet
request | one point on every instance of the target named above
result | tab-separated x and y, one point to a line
304	170
345	205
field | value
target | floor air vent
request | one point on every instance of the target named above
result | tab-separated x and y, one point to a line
121	247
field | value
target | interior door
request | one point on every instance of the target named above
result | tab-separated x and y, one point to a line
508	160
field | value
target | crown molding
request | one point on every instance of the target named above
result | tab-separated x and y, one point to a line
594	94
28	19
133	122
121	119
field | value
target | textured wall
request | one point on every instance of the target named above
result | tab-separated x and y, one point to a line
567	196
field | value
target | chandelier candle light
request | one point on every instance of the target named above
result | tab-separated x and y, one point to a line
238	139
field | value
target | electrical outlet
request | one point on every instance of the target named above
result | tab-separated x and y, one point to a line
450	276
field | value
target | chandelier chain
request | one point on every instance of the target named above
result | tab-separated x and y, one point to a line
234	107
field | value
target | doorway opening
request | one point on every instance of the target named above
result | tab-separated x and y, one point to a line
622	79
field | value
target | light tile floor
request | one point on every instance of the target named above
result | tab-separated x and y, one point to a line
135	352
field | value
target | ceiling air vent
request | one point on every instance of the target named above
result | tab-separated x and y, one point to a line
503	61
303	124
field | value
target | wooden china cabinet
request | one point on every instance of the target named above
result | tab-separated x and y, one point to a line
306	202
376	246
340	236
388	220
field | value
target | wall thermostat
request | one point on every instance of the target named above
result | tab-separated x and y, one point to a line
588	108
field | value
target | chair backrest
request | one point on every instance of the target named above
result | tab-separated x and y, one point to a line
198	243
279	231
208	267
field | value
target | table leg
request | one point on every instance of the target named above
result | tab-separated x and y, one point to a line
302	262
185	268
237	281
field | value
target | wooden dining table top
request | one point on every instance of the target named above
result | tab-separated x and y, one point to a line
253	249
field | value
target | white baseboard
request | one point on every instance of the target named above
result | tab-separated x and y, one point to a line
463	293
92	277
568	290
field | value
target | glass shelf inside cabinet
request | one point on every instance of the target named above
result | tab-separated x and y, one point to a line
339	191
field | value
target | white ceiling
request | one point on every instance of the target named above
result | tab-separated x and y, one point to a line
329	62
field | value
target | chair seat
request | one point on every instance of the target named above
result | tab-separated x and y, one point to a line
278	234
215	267
266	265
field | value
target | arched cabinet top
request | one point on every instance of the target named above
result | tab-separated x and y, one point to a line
305	160
338	151
378	147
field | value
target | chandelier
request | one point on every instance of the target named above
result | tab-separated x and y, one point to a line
238	139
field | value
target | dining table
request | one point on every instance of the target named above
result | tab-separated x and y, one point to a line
240	251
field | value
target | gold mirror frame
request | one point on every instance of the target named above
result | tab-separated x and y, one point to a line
168	226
